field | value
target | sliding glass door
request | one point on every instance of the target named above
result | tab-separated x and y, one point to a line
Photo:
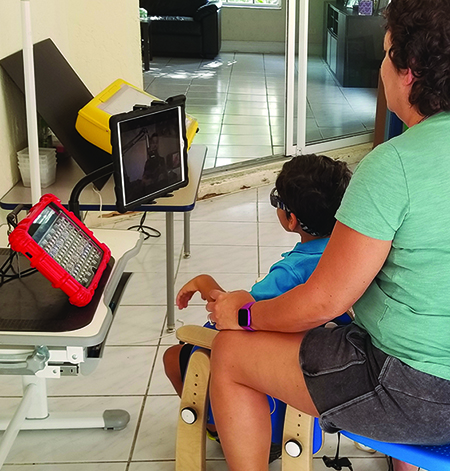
333	56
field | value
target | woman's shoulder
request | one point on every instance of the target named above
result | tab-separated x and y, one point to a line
385	155
416	146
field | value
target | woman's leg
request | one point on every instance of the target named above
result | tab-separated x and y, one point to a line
245	366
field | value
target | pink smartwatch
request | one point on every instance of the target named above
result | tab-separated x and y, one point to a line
245	316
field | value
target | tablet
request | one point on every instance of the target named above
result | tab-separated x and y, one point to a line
149	151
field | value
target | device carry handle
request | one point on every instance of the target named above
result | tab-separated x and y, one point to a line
74	204
11	218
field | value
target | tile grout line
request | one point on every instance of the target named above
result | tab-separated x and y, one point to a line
267	103
227	93
144	399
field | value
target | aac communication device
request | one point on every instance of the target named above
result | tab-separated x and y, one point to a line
149	152
62	248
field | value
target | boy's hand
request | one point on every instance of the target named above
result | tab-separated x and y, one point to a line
204	284
185	294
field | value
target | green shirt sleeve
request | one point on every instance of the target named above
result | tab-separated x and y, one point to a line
376	201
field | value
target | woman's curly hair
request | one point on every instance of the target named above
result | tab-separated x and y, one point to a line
420	35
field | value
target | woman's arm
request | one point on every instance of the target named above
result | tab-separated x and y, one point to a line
348	265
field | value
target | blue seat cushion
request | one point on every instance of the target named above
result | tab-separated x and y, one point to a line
432	458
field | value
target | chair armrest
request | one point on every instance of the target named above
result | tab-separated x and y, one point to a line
208	9
196	335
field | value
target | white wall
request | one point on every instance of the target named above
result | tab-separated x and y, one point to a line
252	29
99	38
264	30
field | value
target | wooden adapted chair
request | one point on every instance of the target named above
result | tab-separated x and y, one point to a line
302	437
299	429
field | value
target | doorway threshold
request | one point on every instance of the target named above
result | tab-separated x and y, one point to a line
263	171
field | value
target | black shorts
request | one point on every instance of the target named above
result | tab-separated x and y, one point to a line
357	387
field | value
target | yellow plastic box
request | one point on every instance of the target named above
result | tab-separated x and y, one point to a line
93	119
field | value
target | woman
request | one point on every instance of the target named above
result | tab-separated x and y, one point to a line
387	375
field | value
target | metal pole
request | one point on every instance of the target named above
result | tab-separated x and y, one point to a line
16	422
289	77
302	75
170	273
30	102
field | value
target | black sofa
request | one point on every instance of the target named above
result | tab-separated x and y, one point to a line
184	28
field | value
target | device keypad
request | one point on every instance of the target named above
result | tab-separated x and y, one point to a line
73	250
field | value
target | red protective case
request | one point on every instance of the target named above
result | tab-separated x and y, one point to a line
21	241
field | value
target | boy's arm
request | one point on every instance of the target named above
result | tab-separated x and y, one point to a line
349	264
204	284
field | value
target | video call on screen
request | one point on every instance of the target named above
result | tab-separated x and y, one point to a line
151	153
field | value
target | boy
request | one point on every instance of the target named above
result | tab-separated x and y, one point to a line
307	194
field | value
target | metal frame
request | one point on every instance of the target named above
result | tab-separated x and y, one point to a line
300	147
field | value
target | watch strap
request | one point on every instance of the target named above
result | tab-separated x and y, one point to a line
247	307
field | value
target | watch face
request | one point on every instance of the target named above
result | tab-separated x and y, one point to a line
243	318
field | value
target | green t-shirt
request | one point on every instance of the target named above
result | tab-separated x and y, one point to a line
401	192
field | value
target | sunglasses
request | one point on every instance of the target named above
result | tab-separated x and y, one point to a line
276	202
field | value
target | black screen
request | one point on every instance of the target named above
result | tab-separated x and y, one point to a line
148	154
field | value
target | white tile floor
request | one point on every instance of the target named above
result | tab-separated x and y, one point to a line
239	99
236	238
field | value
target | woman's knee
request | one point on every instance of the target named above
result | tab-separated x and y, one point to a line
227	345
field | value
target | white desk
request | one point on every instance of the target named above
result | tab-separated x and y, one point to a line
38	355
183	200
122	248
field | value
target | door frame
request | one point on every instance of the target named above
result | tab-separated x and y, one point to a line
297	38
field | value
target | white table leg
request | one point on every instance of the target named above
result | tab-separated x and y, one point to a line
187	234
13	426
109	419
32	414
170	273
39	405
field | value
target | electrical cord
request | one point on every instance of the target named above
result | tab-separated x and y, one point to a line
7	266
7	271
100	203
146	230
336	462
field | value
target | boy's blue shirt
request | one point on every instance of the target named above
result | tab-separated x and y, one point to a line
292	270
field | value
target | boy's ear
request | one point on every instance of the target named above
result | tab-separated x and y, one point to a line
292	222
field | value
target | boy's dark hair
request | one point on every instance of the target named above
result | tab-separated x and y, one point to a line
312	187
